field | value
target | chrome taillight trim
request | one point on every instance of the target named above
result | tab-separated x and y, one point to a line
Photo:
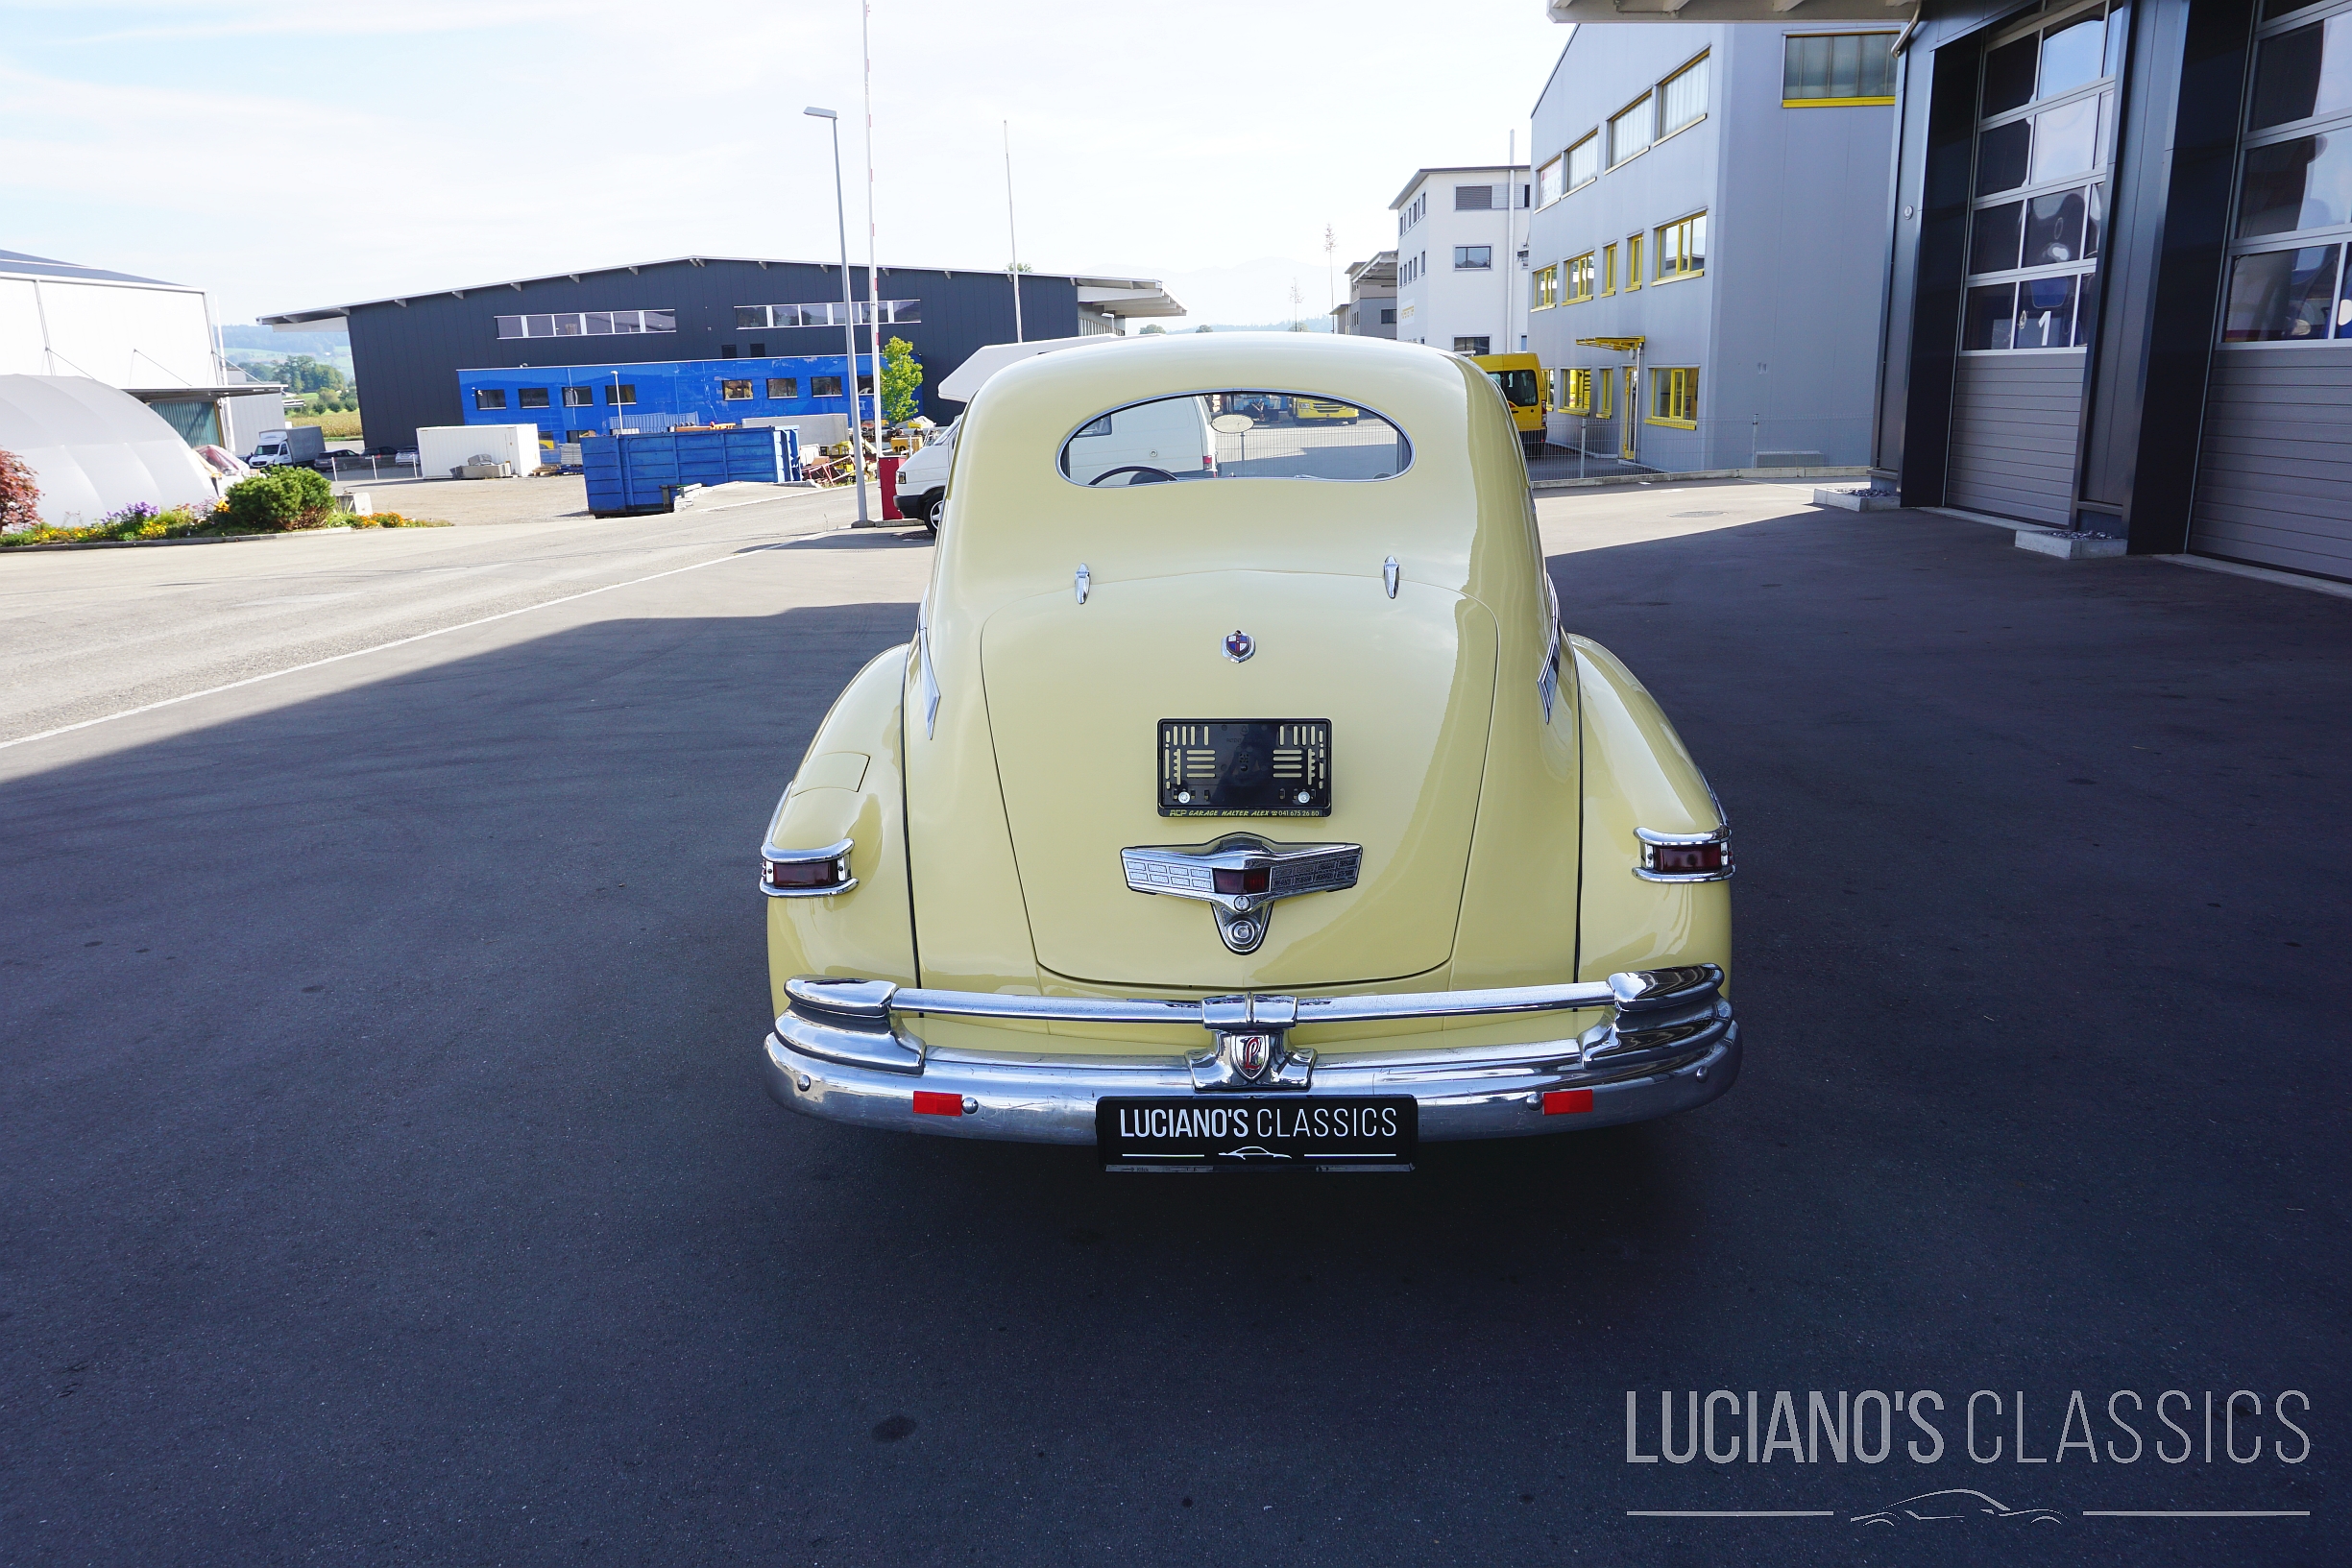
770	857
1652	840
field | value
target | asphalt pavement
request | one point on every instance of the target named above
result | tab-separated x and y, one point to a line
385	1176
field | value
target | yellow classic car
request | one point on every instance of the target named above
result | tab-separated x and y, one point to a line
1257	814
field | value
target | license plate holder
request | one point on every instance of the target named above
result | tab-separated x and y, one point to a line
1244	768
1258	1132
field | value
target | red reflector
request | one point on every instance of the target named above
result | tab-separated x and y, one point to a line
1567	1101
1256	880
803	873
1687	857
931	1102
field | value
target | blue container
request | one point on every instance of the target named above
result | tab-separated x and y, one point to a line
629	474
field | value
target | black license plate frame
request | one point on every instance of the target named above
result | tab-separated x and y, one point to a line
1244	767
1258	1132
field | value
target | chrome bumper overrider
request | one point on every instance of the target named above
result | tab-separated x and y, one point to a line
840	1051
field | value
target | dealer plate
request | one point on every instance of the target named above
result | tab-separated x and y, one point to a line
1244	768
1258	1132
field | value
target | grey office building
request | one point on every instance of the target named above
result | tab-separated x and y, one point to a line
2115	301
1704	262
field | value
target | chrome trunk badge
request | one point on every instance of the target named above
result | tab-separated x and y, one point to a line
1240	646
1240	877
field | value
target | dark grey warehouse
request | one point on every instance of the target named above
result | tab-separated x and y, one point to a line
407	352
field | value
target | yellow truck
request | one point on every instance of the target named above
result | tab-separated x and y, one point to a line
1521	381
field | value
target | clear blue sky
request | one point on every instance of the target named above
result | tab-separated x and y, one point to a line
285	155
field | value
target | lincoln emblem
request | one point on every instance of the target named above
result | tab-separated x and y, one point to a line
1239	645
1250	1054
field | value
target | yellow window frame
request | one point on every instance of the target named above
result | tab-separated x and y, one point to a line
1675	248
1547	288
1633	262
1609	270
1608	401
1842	103
1576	391
1674	396
1579	280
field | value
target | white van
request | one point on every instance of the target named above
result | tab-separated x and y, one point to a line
922	478
1168	437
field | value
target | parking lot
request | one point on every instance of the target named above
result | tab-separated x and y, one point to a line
386	1177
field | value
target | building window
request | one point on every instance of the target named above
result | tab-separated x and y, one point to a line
1473	257
824	386
1576	391
489	400
1388	317
1683	97
1832	70
1609	269
2294	187
826	313
591	324
759	350
735	392
1682	249
578	435
1473	198
1608	408
624	393
531	398
1674	397
726	350
1580	278
1584	160
1473	346
1548	187
1630	130
1633	262
1547	288
783	386
2045	118
579	396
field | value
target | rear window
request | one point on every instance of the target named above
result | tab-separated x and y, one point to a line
1519	387
1234	435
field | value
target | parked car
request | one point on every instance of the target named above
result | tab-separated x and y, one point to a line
300	443
1269	819
1520	379
922	478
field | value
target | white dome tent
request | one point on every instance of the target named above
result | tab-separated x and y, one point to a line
94	450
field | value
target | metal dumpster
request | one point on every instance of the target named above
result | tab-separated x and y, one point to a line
628	474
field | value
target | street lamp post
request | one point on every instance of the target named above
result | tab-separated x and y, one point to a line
849	314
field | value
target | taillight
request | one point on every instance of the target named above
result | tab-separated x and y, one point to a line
1254	879
805	872
1690	857
1685	857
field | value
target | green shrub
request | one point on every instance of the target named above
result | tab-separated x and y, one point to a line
279	499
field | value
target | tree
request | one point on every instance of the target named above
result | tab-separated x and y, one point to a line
1152	330
901	373
281	498
302	373
19	494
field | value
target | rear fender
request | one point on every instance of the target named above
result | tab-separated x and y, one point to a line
850	785
1637	774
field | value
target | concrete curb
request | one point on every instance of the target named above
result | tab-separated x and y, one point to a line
6	550
1781	474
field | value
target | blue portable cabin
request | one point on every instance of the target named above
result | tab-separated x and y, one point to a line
637	474
576	402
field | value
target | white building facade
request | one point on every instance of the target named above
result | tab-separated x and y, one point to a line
152	339
1704	288
1460	233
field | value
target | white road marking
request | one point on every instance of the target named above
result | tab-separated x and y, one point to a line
396	643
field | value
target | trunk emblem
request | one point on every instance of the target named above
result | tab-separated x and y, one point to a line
1240	646
1251	1054
1240	877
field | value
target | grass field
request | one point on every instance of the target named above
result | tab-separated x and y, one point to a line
334	426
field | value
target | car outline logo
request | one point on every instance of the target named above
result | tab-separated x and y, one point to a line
1956	1503
1240	646
1252	1151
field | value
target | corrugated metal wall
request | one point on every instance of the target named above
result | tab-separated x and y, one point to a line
2274	469
2015	418
407	356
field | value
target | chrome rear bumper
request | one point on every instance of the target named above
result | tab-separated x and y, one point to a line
1671	1044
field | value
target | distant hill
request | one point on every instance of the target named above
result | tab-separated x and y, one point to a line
249	345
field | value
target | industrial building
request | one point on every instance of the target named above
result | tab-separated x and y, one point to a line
140	335
1459	258
1370	310
1694	280
717	339
2114	296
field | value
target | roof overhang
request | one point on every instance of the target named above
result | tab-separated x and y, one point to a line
1128	296
1733	11
187	395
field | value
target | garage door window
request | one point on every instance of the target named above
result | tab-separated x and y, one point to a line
2294	184
2045	129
